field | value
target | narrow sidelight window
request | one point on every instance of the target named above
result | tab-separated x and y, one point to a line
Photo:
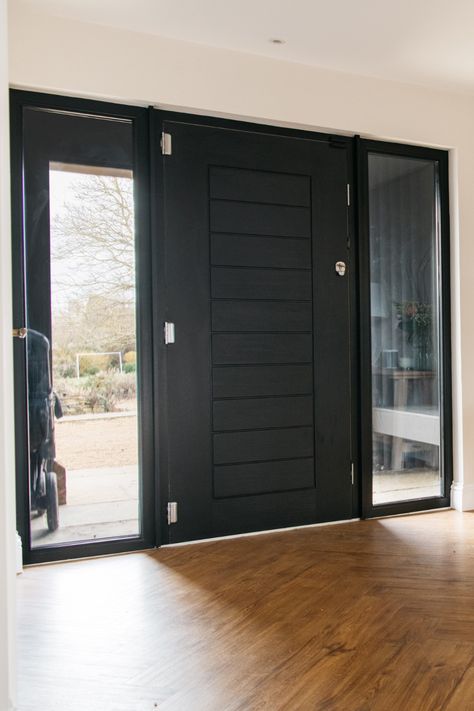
404	214
81	388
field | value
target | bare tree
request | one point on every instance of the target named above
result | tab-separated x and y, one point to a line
92	239
93	265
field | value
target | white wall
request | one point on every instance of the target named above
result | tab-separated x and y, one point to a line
59	55
7	495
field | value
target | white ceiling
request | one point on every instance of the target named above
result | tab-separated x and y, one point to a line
421	41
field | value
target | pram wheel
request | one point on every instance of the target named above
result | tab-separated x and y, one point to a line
52	509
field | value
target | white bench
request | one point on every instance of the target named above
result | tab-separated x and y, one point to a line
418	424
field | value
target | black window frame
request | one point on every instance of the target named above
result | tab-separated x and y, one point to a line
363	149
149	536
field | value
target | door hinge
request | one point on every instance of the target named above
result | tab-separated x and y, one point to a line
169	332
348	195
166	147
352	473
172	512
20	333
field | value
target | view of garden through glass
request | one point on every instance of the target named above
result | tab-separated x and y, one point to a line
93	354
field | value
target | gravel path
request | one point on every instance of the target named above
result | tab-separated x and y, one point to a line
97	443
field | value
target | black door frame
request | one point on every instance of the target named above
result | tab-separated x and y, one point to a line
152	299
363	148
20	100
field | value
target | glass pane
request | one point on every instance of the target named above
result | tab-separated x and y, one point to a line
405	308
83	407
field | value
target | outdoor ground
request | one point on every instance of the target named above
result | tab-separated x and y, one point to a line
105	440
100	456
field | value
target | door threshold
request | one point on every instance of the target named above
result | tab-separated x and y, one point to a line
97	556
260	533
410	513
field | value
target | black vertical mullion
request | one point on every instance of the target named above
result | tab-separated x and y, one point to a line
365	429
19	320
144	331
445	326
158	317
354	335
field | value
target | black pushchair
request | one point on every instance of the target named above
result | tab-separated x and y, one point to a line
43	406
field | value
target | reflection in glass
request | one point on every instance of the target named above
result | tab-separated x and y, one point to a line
83	414
42	410
405	307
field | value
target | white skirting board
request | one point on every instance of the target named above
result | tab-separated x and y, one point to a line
462	496
19	555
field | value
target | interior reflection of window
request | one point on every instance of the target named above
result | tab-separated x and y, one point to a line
405	330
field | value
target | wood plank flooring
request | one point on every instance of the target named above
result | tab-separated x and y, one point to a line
371	615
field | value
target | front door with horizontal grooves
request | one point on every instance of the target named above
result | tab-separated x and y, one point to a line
258	379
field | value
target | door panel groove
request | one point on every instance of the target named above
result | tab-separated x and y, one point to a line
255	218
258	202
232	183
262	429
281	364
237	283
236	233
258	397
278	301
270	333
272	268
262	461
264	252
248	492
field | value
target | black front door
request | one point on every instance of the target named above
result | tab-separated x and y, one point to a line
258	387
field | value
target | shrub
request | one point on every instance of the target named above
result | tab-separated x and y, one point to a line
90	370
94	363
100	394
95	393
65	371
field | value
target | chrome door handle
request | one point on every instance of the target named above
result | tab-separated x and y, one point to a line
340	268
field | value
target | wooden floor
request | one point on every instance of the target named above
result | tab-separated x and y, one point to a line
372	615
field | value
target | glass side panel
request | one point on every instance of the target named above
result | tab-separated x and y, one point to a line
405	308
83	398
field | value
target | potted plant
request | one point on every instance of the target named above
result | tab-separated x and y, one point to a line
415	319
